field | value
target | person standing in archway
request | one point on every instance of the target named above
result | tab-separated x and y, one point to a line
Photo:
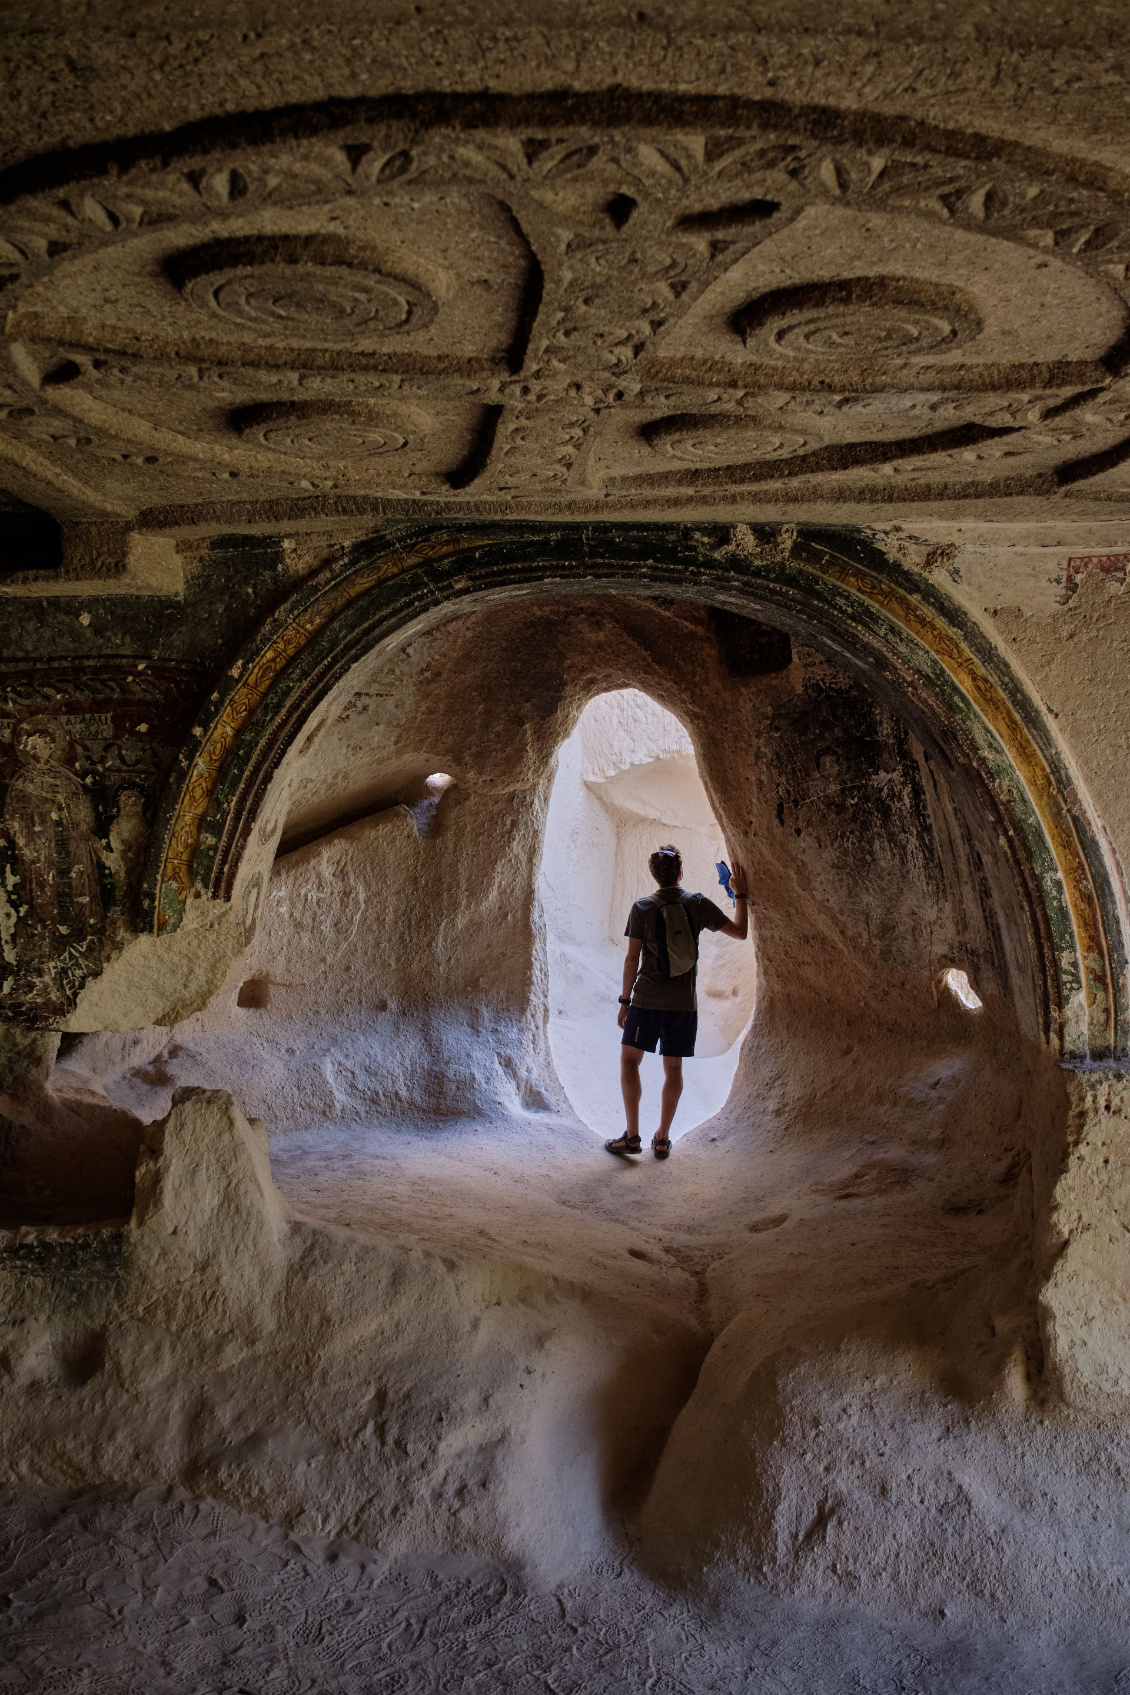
658	1005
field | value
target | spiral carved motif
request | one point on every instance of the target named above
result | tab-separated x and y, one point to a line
329	430
892	289
328	301
320	288
866	332
859	319
703	440
708	446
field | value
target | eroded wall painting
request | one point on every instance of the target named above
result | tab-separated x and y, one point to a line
84	750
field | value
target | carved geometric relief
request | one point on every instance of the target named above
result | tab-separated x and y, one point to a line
721	438
333	287
331	429
866	320
318	287
839	446
875	301
563	301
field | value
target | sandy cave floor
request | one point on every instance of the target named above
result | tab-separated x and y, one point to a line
541	1190
152	1590
155	1592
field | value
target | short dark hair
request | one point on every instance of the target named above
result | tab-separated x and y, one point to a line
666	866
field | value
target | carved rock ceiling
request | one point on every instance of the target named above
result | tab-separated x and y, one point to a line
514	306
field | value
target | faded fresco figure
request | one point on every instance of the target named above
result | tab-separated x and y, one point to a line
49	819
129	839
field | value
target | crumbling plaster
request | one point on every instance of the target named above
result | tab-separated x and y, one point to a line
1053	602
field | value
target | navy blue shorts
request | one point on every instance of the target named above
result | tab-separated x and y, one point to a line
674	1031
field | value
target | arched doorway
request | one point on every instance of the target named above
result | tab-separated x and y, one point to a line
627	780
887	625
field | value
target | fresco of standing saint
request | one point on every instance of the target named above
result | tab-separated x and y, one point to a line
49	819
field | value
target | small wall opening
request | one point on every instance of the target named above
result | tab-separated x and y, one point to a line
626	781
425	808
960	987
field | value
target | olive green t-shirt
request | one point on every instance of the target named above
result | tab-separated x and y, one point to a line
652	987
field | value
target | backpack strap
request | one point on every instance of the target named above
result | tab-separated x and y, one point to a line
662	898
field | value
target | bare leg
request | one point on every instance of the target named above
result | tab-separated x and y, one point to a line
631	1088
669	1100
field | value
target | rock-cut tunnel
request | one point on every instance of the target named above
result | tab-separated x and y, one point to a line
880	1164
509	446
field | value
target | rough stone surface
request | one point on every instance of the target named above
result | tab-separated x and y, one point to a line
173	1593
378	388
516	1407
311	304
162	979
1086	1296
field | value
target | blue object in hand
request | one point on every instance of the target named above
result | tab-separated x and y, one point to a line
723	871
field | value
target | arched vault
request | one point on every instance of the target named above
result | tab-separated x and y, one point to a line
888	623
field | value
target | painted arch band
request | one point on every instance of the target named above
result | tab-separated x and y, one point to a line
887	623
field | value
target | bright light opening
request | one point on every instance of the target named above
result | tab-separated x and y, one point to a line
424	810
957	982
627	781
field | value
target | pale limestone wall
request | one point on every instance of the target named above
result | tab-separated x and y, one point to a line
579	832
625	781
400	954
475	1337
847	1438
321	1378
872	1345
1085	1302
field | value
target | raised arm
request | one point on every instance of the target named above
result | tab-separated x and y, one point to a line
738	925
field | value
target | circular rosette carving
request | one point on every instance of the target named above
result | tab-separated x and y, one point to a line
723	440
331	429
316	286
858	320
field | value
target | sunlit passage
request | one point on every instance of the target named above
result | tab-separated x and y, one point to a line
627	781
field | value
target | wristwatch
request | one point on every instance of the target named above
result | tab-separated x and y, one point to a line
625	1000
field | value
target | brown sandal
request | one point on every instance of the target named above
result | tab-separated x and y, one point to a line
660	1146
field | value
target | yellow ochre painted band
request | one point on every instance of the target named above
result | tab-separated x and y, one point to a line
220	737
1006	723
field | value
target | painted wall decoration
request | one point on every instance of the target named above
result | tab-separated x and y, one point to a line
84	750
1111	565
